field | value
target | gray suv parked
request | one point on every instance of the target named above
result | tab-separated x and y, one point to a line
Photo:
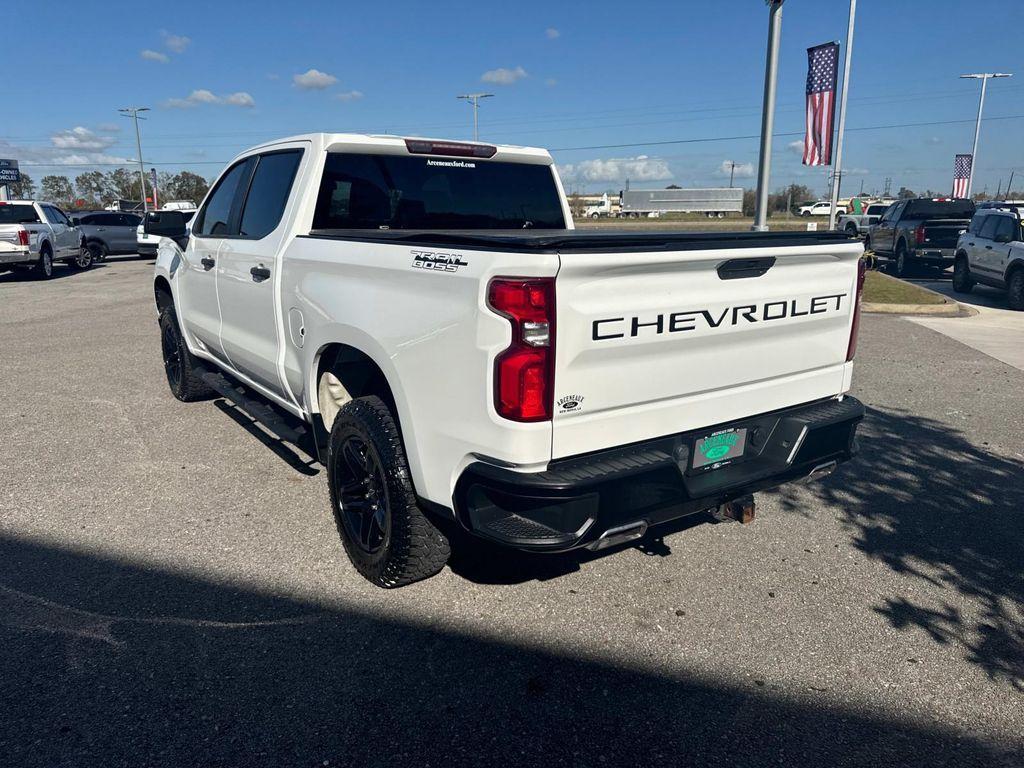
107	232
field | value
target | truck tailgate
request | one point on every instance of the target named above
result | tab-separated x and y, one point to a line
943	233
651	343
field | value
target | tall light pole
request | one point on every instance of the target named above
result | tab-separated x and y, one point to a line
133	113
474	100
837	177
983	76
771	71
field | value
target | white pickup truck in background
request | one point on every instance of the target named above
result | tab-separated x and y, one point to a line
461	359
36	235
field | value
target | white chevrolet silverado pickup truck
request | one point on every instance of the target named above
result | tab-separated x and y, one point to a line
461	359
35	235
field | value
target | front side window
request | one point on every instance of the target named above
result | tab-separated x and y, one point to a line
430	193
213	221
1007	229
268	193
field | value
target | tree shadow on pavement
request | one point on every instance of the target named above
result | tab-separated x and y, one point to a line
109	663
941	510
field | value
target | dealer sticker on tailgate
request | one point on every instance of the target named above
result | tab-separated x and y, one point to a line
720	447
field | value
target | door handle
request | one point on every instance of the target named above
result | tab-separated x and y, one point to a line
259	274
207	263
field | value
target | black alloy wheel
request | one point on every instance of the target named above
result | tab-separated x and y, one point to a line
362	495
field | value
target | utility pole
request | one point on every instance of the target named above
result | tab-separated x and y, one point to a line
474	100
133	113
888	186
1009	184
771	71
732	171
837	178
984	77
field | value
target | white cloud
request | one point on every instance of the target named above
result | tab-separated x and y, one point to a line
240	99
314	80
176	43
503	76
150	55
552	33
109	128
80	138
551	82
639	168
204	96
796	147
742	170
349	96
855	172
39	160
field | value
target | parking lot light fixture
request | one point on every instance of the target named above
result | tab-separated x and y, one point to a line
984	77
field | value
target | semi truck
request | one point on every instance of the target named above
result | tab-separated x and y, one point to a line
714	203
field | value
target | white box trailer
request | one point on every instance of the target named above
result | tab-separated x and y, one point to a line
713	202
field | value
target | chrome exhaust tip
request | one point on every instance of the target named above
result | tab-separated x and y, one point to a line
618	535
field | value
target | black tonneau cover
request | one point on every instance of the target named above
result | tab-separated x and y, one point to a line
583	241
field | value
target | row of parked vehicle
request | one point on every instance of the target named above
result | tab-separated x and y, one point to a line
37	235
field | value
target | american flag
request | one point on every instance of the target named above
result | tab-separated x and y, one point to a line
961	173
822	69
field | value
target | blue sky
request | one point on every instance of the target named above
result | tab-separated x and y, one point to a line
577	78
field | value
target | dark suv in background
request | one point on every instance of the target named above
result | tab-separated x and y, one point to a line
108	232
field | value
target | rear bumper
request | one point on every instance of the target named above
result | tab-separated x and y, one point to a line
577	500
20	256
933	256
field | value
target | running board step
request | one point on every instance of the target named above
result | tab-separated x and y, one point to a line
254	406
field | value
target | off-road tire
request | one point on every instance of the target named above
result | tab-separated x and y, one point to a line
1015	291
962	280
413	548
43	269
186	384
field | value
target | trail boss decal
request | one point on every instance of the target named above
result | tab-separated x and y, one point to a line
439	262
692	319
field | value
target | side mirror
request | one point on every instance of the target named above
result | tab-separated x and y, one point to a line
166	224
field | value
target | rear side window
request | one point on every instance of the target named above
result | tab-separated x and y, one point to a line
876	210
18	214
401	192
988	228
213	221
268	193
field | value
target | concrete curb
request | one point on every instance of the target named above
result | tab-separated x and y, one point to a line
946	308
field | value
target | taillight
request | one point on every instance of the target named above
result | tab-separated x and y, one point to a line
22	237
919	234
524	372
851	349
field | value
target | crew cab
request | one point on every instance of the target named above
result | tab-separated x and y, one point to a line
821	208
423	313
991	252
858	223
919	232
35	235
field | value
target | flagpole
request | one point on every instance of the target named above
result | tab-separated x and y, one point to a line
771	69
837	174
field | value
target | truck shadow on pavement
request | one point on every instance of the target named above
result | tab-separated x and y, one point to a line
943	511
112	663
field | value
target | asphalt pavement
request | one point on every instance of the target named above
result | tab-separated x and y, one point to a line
994	329
173	592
